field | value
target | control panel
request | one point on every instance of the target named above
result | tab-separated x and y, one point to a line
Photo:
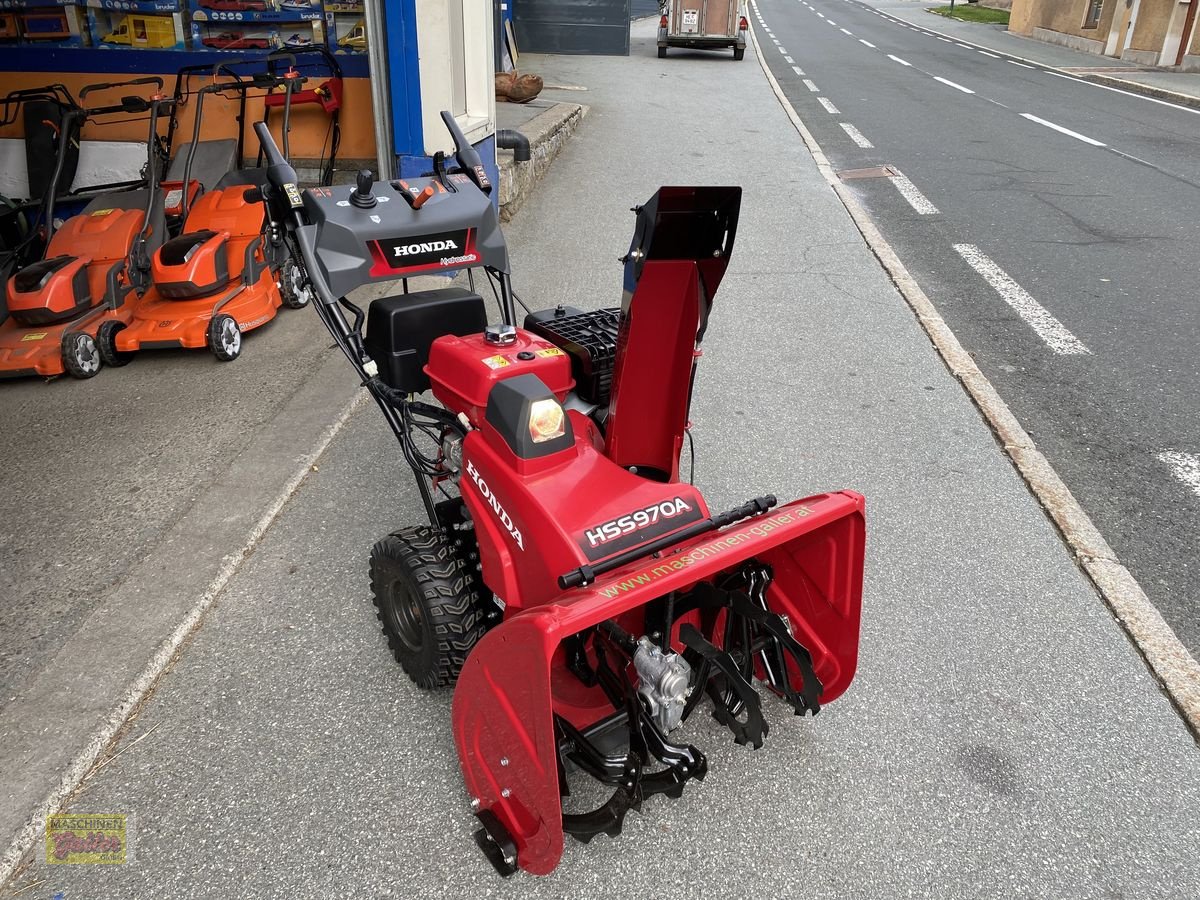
380	231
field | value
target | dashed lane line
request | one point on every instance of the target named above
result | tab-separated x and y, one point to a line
953	84
1061	130
913	195
829	107
857	136
1049	329
812	87
903	62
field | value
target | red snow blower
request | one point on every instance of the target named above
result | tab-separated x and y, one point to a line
585	599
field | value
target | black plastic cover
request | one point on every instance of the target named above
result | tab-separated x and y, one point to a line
589	339
401	328
508	412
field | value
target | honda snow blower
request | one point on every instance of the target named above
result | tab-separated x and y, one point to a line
585	599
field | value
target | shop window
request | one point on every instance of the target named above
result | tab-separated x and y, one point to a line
1092	18
455	40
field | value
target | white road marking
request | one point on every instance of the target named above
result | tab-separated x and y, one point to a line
1022	65
1036	316
812	87
844	31
1105	87
857	136
903	62
821	14
1184	466
949	83
782	50
776	40
947	40
831	22
964	46
829	107
867	43
913	195
985	53
789	61
1067	131
797	70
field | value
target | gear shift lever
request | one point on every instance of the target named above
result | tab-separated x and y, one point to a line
362	196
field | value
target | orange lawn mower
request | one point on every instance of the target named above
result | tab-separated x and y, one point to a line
229	271
64	308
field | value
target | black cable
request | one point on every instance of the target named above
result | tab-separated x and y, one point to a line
692	454
493	279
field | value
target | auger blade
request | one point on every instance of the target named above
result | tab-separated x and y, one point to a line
755	728
529	669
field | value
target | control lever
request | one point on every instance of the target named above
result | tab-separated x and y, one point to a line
362	196
466	155
416	199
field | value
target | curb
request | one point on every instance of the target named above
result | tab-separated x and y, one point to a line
164	653
1169	661
1121	84
547	132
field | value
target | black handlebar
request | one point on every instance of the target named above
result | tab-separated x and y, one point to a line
466	155
107	85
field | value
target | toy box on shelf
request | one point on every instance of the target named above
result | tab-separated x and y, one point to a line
242	11
44	23
347	33
244	36
344	6
137	24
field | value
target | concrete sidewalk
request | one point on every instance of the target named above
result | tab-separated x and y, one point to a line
1002	737
1166	84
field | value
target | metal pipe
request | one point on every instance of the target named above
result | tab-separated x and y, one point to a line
381	93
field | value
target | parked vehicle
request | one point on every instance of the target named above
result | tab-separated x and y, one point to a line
702	25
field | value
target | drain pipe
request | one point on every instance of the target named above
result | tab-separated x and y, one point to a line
381	94
511	139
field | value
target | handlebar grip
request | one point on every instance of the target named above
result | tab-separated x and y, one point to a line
270	148
467	157
104	86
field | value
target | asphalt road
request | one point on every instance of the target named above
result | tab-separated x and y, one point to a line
1052	223
1001	738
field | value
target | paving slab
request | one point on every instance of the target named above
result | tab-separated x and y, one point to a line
1002	737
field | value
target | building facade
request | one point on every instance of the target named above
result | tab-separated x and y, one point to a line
1142	32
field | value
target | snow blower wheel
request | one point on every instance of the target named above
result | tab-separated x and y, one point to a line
428	601
106	343
224	338
80	357
293	289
